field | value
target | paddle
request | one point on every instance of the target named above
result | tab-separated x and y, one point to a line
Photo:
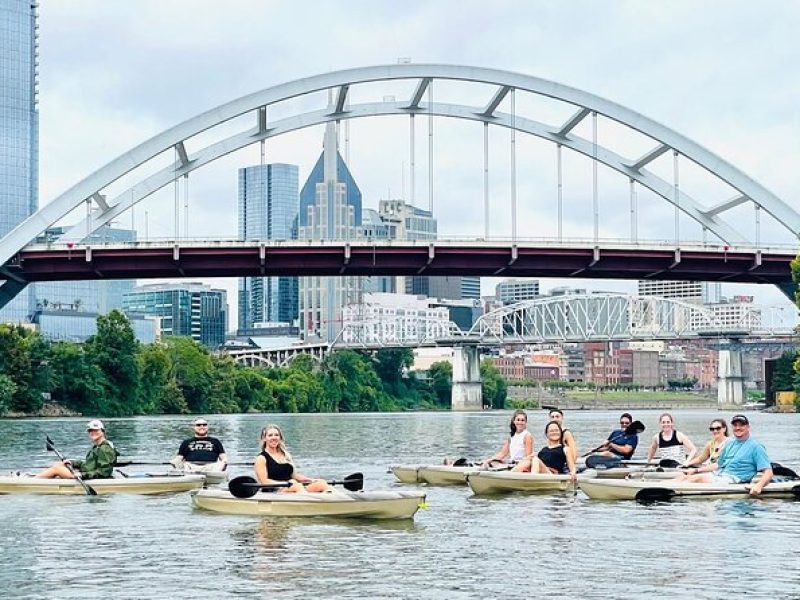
90	491
246	487
634	428
660	494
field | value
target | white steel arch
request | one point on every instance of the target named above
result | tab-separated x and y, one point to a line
90	189
607	317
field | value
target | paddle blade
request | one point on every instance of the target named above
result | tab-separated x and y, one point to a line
49	444
635	428
353	482
654	494
669	463
243	487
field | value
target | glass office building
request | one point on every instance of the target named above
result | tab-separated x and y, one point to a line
268	202
185	309
19	129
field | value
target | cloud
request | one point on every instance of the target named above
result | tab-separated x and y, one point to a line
724	73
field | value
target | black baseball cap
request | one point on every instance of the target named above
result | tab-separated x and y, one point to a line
740	419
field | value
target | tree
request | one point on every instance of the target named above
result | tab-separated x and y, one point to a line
193	370
7	389
24	360
78	383
440	375
113	350
494	386
784	375
391	365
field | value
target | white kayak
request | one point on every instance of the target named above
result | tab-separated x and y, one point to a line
214	473
371	505
432	474
494	482
134	484
654	489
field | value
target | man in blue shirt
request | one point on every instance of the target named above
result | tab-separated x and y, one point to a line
740	461
622	442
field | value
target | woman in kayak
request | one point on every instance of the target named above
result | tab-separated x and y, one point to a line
670	443
557	415
553	459
517	445
710	452
99	462
274	465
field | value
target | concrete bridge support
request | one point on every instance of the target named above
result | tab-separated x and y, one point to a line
730	380
467	392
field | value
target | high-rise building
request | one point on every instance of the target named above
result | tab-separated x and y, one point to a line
19	129
268	206
688	291
99	296
185	309
511	291
407	222
330	209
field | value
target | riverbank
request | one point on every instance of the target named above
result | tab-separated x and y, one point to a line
48	410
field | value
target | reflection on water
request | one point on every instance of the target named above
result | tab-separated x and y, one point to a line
508	546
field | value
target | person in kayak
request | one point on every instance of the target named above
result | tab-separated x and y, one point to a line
740	461
201	449
554	459
99	461
517	445
274	465
711	451
557	415
622	442
671	444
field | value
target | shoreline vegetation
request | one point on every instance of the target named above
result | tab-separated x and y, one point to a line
113	375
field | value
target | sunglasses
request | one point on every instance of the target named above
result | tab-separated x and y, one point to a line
715	428
88	430
624	423
201	424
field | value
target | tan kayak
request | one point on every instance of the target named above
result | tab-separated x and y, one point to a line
653	490
406	473
212	471
371	505
123	485
495	482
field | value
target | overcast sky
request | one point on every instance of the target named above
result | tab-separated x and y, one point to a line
726	74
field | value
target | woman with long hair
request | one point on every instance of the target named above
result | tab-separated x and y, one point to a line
555	458
710	452
517	445
275	465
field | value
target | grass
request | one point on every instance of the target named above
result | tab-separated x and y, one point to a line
623	396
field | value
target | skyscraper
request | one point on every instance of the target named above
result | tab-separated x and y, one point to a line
330	209
268	205
19	128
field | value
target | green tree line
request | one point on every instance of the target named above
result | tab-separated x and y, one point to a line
112	374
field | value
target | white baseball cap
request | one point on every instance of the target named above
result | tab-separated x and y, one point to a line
95	424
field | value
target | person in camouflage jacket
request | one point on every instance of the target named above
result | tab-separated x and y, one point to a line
99	461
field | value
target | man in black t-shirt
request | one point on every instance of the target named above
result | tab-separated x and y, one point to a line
202	448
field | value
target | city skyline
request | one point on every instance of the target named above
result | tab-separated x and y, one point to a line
751	128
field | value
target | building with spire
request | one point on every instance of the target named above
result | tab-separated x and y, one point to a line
330	209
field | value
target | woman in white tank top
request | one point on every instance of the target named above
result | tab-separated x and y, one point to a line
517	446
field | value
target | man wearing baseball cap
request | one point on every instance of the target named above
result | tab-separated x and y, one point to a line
99	461
201	452
740	461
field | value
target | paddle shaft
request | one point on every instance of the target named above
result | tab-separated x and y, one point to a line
90	491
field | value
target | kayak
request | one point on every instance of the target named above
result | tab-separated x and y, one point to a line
134	484
370	505
645	472
212	471
650	490
432	474
494	482
406	473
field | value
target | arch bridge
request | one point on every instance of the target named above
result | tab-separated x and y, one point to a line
106	194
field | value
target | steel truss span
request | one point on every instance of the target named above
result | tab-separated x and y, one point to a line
571	318
179	141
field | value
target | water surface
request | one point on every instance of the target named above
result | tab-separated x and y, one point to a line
512	546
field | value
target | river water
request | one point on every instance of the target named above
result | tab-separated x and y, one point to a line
514	546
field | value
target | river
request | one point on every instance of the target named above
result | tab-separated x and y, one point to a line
515	546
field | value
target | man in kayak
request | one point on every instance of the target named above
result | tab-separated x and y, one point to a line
201	450
622	442
99	462
740	461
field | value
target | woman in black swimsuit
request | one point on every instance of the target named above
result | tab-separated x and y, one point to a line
274	465
552	459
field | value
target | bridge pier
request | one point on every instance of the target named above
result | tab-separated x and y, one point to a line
730	380
467	391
